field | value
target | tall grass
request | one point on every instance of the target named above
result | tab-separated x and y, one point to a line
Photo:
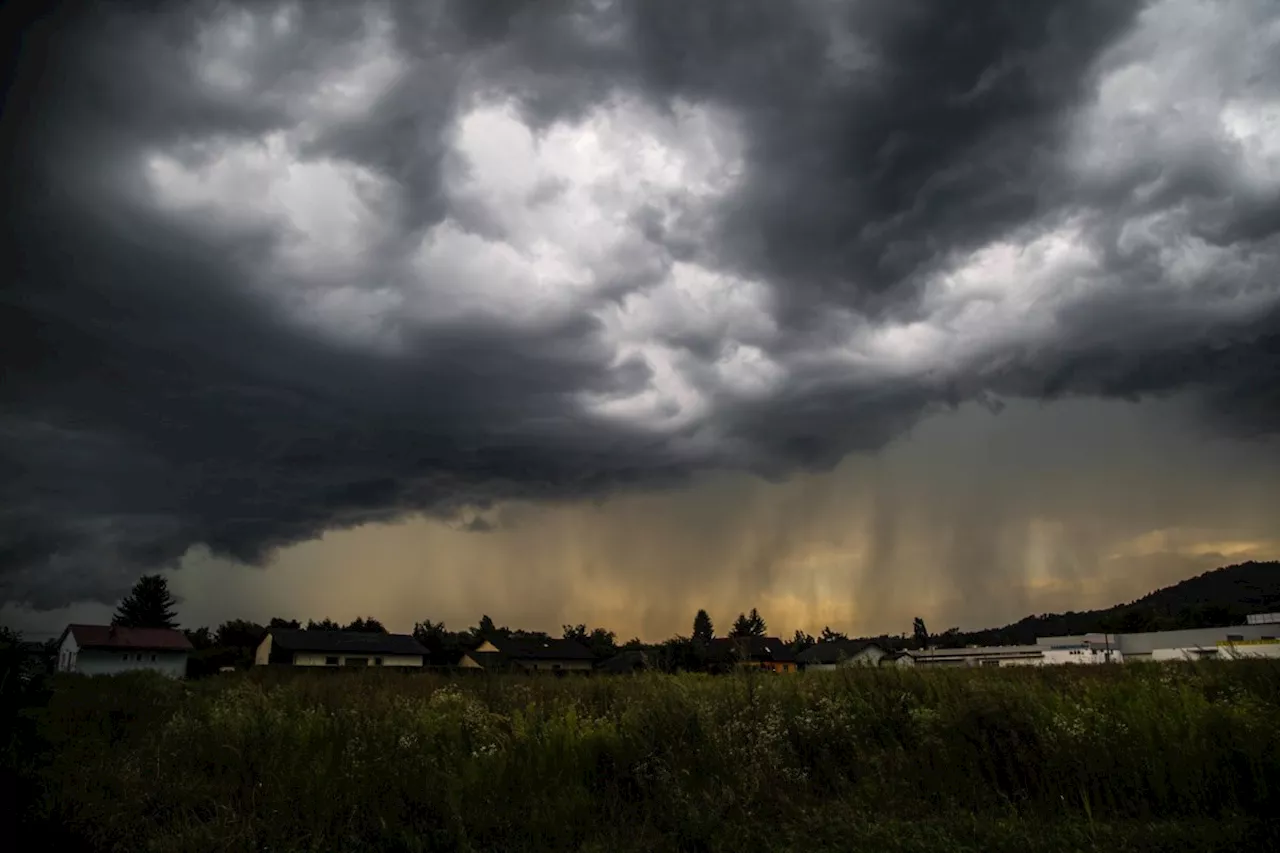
288	761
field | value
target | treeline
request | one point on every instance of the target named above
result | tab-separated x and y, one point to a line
1214	599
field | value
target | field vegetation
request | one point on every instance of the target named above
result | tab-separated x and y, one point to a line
1134	757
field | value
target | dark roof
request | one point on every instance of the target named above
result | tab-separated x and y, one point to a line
629	660
489	660
345	642
117	637
835	651
751	648
530	648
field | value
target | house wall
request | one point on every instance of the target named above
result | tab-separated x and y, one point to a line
556	665
67	653
320	659
869	656
769	665
105	662
262	655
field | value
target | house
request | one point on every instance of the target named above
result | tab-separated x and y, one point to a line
291	647
111	649
767	653
839	653
529	654
626	662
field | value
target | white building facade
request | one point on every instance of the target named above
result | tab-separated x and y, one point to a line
111	650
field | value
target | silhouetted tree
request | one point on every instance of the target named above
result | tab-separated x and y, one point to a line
829	636
748	625
801	641
919	633
487	630
323	625
367	625
703	630
200	638
148	605
951	639
239	634
287	624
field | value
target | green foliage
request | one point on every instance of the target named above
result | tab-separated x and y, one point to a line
148	605
1077	758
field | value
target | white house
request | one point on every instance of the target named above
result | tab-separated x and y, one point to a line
338	648
529	654
108	650
838	653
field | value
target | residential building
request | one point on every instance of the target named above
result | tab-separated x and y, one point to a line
111	649
626	662
338	649
767	653
839	653
529	654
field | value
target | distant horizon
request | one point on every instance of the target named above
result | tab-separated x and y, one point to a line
785	635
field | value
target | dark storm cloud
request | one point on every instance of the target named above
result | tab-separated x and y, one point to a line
155	398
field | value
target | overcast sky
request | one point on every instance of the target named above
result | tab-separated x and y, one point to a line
602	312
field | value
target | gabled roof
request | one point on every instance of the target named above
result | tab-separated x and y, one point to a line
530	648
118	637
345	642
836	650
629	660
751	649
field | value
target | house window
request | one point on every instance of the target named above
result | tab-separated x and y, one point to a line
331	661
357	662
138	656
153	658
124	657
377	661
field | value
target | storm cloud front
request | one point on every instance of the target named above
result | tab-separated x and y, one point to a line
544	281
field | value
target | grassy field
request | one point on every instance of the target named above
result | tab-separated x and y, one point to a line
1085	758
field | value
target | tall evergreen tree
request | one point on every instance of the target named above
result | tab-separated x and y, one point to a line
741	626
703	630
919	633
148	605
757	625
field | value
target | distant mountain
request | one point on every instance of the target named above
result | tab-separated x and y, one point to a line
1218	598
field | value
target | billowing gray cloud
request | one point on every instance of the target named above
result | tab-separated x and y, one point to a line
279	268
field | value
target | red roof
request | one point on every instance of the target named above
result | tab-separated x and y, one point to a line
113	637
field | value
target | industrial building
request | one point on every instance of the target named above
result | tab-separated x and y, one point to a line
1259	638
